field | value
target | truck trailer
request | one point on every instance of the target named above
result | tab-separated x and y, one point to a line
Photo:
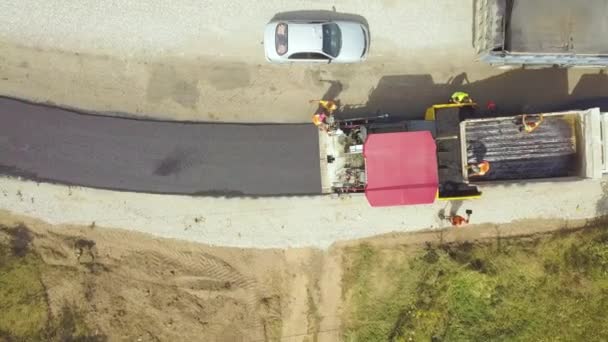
541	32
421	161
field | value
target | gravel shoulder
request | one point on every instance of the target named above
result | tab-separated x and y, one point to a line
281	222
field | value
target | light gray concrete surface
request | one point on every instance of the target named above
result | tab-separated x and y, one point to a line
51	144
228	29
297	222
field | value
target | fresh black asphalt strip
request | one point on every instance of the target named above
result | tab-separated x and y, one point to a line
45	143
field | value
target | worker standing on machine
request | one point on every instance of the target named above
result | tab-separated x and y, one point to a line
460	97
529	123
478	169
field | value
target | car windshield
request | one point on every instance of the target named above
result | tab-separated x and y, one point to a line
332	39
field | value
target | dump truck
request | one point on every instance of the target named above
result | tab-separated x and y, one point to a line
541	32
421	161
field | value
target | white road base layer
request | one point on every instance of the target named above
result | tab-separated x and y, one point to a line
287	222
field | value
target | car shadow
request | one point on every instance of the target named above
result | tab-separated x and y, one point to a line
319	15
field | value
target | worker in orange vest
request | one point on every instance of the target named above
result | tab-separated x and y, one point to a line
326	109
479	169
458	221
319	119
529	125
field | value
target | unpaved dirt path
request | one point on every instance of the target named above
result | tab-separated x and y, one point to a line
136	287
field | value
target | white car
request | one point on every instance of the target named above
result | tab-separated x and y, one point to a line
316	41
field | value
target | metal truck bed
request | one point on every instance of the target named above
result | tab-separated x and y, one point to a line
558	26
542	32
549	151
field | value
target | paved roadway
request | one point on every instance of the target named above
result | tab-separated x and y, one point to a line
51	144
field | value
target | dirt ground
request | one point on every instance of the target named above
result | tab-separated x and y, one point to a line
197	88
209	89
131	286
134	287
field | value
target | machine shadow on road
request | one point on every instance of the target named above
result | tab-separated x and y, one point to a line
513	92
319	15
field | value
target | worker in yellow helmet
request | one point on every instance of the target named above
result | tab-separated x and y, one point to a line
460	97
328	105
479	169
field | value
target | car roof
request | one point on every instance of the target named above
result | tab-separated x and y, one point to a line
304	37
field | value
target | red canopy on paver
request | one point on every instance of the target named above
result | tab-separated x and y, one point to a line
401	168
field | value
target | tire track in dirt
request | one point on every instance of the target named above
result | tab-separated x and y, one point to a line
206	277
212	270
126	279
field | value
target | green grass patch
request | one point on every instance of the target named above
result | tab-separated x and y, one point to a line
24	309
547	288
22	295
